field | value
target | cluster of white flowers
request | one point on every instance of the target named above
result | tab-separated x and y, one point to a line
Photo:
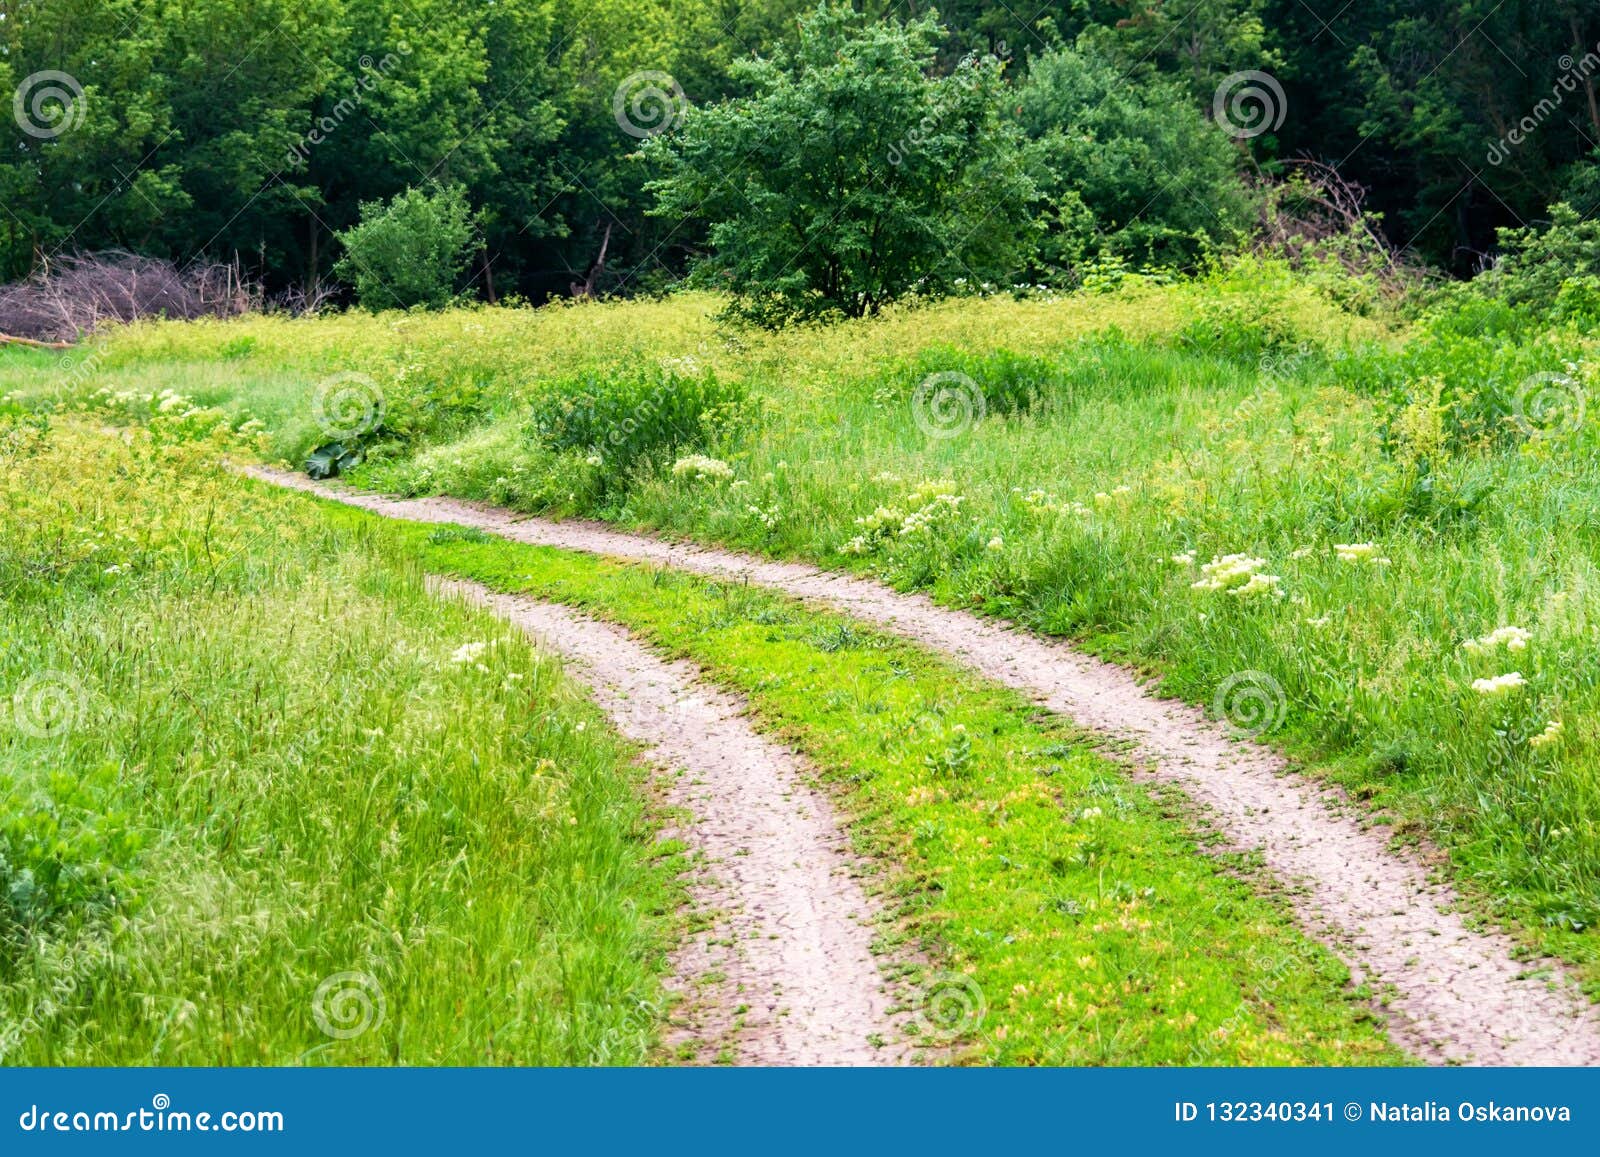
1511	638
1549	737
702	469
1238	575
1360	552
995	544
1107	497
930	502
468	652
1184	559
1499	684
767	518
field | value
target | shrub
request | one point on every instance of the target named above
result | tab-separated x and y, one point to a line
1133	170
1010	382
64	856
852	176
625	418
1543	268
410	251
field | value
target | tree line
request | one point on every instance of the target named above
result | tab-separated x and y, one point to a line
604	146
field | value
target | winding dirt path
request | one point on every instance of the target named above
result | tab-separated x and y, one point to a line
791	941
1454	994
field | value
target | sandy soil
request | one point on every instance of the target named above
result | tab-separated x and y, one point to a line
1454	994
792	931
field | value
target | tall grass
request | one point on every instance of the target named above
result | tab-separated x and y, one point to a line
267	801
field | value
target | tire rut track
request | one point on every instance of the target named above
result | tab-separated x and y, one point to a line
1458	995
793	930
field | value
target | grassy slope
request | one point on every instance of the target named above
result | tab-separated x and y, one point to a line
269	771
1145	448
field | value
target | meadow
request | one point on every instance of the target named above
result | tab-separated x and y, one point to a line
1384	523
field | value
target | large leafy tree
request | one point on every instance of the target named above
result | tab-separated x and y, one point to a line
852	175
1132	169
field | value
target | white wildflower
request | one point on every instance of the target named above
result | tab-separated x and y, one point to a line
1511	638
1499	685
1549	737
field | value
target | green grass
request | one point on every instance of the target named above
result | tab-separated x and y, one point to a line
1242	414
1009	851
244	767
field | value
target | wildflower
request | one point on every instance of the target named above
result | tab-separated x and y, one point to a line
1319	622
1549	737
468	652
1238	575
1184	559
1499	685
1302	552
1091	813
701	469
996	544
1511	638
1358	552
1258	584
594	460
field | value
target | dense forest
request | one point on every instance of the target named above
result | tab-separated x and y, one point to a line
254	131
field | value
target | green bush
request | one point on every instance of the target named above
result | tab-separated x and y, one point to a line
623	419
1134	170
410	251
1553	270
1011	383
64	856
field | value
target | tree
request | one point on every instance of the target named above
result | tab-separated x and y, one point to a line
1133	169
410	251
850	176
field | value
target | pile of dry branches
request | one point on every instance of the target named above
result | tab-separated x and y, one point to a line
72	296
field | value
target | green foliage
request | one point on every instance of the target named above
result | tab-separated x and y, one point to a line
66	851
410	251
1553	269
625	417
1010	382
851	176
1132	170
